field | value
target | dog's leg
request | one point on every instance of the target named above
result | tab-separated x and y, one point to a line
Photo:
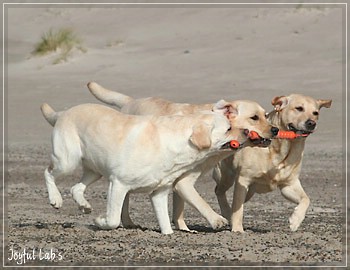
77	190
115	198
239	197
55	197
178	213
250	193
256	188
159	200
62	163
295	193
179	207
185	188
126	220
66	157
224	178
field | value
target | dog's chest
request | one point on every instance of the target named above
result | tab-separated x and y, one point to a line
274	170
282	173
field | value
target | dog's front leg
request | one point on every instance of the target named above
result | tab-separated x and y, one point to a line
179	204
159	200
295	193
115	199
185	188
239	197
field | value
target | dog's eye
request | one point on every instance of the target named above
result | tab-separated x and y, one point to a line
255	118
315	113
299	109
229	129
266	115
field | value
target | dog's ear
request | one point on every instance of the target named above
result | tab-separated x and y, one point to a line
324	103
279	102
226	108
201	136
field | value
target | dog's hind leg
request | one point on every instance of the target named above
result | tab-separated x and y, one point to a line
295	193
224	179
178	213
56	169
65	159
78	190
126	220
55	197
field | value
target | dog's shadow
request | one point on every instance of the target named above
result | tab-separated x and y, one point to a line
205	229
193	228
44	225
257	230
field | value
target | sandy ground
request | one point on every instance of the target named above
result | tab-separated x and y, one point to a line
185	54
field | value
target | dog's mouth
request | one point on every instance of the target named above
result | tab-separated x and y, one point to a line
257	140
298	131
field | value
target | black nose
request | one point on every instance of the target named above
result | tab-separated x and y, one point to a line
274	131
310	124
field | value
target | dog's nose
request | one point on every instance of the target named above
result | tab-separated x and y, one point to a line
274	131
310	124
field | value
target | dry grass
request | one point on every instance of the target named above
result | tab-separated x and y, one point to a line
62	40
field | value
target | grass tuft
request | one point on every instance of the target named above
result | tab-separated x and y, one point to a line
63	40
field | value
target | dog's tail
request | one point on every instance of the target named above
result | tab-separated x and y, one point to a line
108	96
49	114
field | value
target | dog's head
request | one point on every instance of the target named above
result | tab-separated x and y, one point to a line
299	113
248	115
217	135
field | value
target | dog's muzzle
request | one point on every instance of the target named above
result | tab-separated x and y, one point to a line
257	140
311	127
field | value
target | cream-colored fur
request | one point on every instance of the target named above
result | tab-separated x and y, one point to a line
261	170
246	115
135	153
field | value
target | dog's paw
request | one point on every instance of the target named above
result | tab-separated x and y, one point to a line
237	228
103	224
167	231
295	221
131	225
56	200
84	209
219	223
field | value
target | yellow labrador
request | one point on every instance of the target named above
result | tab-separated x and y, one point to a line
245	114
261	170
135	153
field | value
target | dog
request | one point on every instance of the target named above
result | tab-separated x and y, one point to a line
261	170
107	143
246	114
